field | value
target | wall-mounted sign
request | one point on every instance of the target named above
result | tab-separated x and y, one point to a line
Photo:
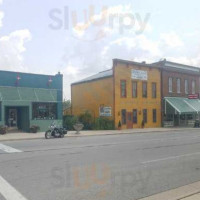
193	96
105	111
139	75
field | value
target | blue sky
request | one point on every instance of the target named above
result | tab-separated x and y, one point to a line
29	43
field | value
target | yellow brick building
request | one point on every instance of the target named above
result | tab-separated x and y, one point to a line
129	94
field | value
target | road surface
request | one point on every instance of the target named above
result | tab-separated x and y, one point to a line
99	168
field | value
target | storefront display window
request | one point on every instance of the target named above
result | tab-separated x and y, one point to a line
45	111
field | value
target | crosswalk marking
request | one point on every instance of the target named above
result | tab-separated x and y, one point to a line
8	191
9	149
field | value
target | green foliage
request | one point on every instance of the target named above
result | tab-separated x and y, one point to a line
69	121
103	123
66	104
87	120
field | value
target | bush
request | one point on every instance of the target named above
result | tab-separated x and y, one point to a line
103	123
69	121
87	120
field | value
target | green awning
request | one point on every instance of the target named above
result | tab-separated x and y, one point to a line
183	105
27	94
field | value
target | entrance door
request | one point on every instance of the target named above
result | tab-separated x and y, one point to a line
129	120
12	117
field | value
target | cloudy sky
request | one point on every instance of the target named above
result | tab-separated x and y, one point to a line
81	37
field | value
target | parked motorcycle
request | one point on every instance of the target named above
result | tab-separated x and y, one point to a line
55	132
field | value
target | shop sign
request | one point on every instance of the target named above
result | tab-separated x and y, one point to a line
105	111
139	75
193	96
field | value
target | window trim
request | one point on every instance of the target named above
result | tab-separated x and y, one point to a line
178	91
121	88
154	83
135	121
170	89
145	121
154	121
194	91
186	80
145	82
123	121
136	89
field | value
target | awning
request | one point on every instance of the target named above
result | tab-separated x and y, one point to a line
27	94
182	105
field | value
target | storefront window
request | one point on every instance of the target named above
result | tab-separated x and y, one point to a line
0	111
44	111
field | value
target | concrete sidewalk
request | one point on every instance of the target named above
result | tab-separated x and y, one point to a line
188	192
30	136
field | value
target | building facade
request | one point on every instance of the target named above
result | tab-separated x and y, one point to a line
180	88
30	99
129	94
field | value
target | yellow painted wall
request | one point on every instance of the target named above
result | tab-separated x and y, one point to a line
90	96
123	72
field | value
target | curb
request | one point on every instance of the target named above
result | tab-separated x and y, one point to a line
137	132
180	193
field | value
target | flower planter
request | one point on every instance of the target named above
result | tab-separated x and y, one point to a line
3	130
34	129
78	127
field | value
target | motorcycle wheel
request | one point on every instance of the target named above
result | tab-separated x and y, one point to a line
48	134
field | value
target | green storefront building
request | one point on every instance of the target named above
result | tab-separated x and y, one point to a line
30	99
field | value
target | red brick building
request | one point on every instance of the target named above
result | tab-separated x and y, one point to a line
178	82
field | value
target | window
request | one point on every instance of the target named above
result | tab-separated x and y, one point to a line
193	87
144	89
186	87
145	115
123	116
134	89
154	116
178	85
170	84
123	88
44	111
135	116
154	90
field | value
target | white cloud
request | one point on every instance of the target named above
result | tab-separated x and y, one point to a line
171	40
12	48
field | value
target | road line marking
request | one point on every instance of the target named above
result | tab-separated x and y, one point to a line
9	192
171	158
9	149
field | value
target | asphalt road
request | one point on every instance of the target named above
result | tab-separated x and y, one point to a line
117	167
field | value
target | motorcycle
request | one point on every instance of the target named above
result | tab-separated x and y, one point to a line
55	132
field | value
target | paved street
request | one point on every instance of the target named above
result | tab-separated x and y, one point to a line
112	167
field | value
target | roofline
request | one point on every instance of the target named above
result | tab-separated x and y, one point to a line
88	81
142	64
37	74
164	62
